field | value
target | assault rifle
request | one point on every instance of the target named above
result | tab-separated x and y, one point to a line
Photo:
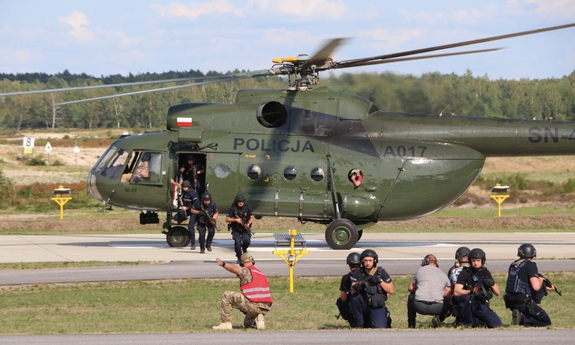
209	219
245	222
547	282
538	296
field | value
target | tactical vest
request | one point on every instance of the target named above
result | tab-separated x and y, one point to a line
374	295
241	213
475	282
514	284
209	210
258	290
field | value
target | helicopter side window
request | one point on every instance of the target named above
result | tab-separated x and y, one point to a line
148	168
355	176
222	170
317	174
254	171
290	173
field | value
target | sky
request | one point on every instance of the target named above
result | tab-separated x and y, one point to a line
106	37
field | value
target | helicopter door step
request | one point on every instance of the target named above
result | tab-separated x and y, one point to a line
285	240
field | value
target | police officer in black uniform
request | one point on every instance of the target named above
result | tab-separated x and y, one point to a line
353	260
474	288
187	200
461	261
240	219
370	288
523	290
193	172
206	212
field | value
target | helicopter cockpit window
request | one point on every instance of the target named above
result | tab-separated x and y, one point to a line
317	174
254	171
146	170
111	163
290	173
222	170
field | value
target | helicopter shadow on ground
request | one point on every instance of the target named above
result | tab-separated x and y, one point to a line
322	244
259	242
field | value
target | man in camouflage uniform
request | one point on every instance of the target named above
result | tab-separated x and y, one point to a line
254	301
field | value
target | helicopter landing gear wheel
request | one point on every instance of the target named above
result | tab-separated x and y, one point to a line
341	234
178	236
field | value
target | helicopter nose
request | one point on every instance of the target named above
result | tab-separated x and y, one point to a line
92	186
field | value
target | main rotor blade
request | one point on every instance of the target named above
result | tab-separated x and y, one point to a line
107	86
354	62
324	53
238	76
368	63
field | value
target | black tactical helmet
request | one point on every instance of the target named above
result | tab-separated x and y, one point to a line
240	198
461	251
477	253
526	250
186	183
353	259
372	253
206	196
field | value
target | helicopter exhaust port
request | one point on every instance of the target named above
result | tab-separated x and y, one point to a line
271	114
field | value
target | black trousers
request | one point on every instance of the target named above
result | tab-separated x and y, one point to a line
532	317
202	236
242	240
343	308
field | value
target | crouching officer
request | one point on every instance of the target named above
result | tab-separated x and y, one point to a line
240	219
353	261
188	198
254	301
370	287
525	289
474	288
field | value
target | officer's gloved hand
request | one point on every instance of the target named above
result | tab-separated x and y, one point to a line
488	282
357	287
373	280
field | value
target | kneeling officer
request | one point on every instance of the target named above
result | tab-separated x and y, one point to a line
370	287
525	288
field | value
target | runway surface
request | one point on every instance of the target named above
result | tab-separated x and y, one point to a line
398	253
236	337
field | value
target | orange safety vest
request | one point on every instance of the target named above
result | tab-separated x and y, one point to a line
258	290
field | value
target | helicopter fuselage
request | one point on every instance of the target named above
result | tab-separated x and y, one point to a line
293	154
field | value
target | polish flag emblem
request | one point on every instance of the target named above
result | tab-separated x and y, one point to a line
184	121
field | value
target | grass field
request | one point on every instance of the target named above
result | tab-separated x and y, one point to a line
193	305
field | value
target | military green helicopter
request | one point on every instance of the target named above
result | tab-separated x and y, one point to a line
315	153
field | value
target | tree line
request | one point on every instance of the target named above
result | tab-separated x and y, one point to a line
431	93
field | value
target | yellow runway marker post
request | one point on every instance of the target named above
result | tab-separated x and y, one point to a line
499	193
292	255
61	198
